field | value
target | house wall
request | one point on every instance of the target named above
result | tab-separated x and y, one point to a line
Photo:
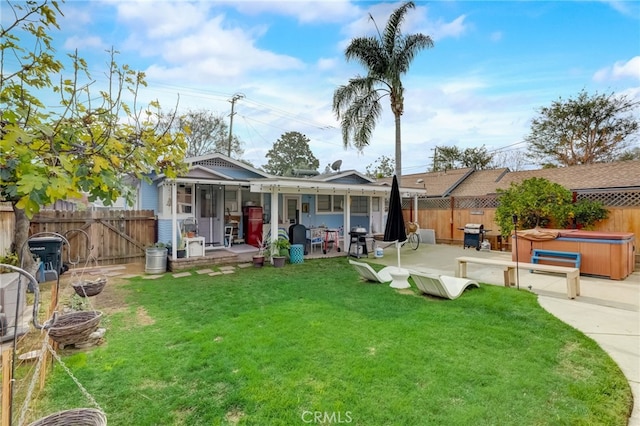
148	196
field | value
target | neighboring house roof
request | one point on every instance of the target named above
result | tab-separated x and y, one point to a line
617	175
437	184
480	182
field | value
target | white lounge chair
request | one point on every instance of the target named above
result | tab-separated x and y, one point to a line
441	285
369	274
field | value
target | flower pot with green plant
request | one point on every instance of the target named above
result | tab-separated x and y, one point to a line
278	251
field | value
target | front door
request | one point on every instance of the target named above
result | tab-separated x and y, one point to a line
207	214
291	210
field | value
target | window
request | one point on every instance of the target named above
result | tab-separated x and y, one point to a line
330	203
253	197
375	201
359	204
185	198
231	200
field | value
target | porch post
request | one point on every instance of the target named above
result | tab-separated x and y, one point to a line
346	221
174	220
415	208
274	213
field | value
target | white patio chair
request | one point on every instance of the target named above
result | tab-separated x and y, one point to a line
367	273
441	285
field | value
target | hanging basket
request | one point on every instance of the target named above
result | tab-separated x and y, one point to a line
89	288
76	417
75	327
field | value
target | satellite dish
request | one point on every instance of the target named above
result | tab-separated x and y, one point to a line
336	165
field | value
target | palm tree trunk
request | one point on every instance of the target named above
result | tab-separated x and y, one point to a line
398	150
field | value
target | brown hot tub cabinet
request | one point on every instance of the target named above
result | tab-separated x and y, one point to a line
607	254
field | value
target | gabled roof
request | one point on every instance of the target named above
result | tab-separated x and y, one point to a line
347	176
437	184
618	175
227	166
480	182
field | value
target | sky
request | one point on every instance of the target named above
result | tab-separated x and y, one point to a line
493	65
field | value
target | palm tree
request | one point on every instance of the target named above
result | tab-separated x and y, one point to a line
386	57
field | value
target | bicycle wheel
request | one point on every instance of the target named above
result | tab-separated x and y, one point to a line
414	241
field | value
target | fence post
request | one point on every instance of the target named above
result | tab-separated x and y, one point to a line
7	357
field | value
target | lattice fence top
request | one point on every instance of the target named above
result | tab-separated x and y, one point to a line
608	198
613	198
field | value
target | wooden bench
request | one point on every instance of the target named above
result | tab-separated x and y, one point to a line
509	268
555	256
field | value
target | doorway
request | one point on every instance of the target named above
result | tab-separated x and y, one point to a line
208	218
291	214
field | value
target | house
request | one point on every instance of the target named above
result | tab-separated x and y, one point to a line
217	191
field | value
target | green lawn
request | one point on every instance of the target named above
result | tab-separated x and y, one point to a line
310	343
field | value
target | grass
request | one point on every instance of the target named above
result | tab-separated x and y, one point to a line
311	343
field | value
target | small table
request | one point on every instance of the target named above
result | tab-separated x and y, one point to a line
399	278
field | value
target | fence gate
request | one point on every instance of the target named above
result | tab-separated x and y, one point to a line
114	236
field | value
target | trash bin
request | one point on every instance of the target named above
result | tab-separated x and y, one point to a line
49	250
155	260
296	253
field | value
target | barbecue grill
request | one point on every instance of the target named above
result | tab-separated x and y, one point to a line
358	240
473	235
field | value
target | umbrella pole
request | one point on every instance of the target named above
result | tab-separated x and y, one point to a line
398	249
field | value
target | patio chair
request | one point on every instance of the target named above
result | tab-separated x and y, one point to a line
367	273
441	285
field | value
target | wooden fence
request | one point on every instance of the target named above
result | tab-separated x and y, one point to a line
110	236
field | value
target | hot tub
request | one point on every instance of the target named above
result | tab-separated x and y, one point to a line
607	254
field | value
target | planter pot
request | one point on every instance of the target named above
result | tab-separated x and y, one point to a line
258	261
278	261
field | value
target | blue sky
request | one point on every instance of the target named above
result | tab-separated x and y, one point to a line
493	65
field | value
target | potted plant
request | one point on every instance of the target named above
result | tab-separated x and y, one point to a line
258	259
182	250
278	251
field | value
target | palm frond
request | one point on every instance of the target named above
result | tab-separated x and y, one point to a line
359	120
408	47
392	29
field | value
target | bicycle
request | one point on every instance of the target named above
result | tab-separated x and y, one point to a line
413	235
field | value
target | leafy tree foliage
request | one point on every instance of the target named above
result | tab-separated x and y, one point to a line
205	132
536	202
587	129
290	152
382	167
386	58
89	145
452	157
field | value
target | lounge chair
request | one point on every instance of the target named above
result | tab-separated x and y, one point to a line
441	285
367	273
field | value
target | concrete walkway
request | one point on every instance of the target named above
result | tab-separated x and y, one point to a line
607	311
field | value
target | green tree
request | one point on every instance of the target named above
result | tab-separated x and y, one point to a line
536	202
290	152
382	167
85	147
386	58
205	132
452	157
587	129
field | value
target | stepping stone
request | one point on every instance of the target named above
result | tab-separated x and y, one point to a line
152	277
182	274
245	265
112	274
228	271
204	271
130	276
213	274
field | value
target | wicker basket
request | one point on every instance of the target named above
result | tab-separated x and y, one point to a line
89	288
412	227
75	417
75	327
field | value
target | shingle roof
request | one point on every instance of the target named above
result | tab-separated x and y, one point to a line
480	182
621	174
437	184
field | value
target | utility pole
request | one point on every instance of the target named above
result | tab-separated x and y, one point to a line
233	100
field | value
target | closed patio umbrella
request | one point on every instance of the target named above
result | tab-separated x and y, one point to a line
394	229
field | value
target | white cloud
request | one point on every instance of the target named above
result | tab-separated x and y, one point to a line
440	29
76	42
496	36
619	70
324	11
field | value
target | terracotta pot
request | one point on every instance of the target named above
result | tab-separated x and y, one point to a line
258	261
278	261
